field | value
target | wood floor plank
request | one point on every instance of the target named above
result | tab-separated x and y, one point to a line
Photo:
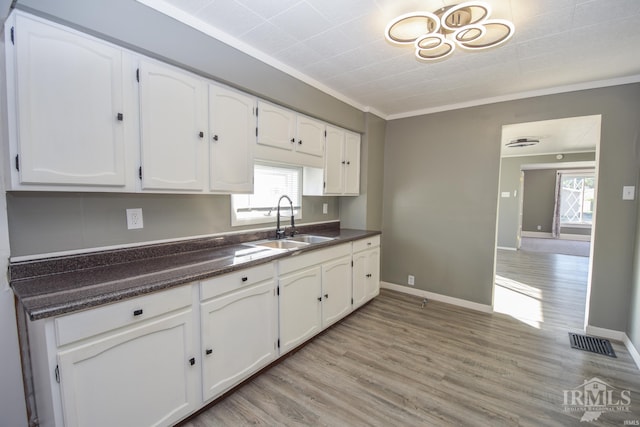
395	363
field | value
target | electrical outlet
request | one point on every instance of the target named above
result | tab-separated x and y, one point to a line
325	208
134	218
411	280
539	227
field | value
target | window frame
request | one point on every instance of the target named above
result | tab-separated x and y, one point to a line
584	174
271	211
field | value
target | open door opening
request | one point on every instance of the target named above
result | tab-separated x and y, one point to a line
546	220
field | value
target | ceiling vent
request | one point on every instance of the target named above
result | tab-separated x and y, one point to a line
522	142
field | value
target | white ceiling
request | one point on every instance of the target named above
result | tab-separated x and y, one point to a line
570	135
339	47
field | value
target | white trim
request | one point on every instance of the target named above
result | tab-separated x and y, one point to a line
150	242
563	236
504	248
538	166
605	333
187	19
576	237
633	351
438	297
537	234
193	22
520	95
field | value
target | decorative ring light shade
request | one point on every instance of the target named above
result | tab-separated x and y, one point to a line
435	35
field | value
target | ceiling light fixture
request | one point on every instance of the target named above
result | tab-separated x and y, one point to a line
435	35
522	142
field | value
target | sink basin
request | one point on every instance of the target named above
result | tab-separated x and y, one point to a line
309	238
282	244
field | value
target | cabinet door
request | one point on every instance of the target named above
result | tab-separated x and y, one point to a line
300	307
336	290
360	278
366	275
238	336
276	126
173	107
232	139
140	376
352	165
69	97
334	161
310	136
373	273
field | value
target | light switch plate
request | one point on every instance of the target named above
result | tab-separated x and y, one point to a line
628	192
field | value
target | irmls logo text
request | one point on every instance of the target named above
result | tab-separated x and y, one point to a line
594	397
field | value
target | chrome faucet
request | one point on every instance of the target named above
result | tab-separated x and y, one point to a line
280	232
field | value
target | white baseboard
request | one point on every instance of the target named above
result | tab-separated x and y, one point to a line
504	248
563	236
537	234
618	336
633	351
577	237
605	333
438	297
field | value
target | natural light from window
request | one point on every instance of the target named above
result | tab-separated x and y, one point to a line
518	300
576	200
270	182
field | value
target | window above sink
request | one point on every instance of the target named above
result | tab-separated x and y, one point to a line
271	181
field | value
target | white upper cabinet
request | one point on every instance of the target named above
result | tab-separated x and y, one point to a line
232	125
310	136
87	115
69	110
288	137
173	129
352	164
342	162
276	126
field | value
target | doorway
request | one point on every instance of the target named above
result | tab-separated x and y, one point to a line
536	231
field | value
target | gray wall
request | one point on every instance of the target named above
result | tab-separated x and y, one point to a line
538	200
441	191
633	328
508	209
52	222
365	211
133	25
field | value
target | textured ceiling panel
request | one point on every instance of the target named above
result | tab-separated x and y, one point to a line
339	44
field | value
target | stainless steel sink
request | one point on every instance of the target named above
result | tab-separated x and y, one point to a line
282	244
309	238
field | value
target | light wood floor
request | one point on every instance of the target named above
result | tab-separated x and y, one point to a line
393	363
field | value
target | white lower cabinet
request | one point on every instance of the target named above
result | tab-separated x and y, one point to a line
300	307
239	330
132	363
336	290
155	359
315	291
143	376
366	270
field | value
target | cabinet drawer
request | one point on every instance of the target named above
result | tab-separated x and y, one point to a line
308	259
369	242
84	324
238	279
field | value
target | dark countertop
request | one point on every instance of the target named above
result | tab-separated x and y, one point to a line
62	285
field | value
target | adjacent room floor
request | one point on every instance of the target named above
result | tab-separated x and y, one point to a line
395	363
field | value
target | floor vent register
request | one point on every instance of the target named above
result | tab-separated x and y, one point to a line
592	344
